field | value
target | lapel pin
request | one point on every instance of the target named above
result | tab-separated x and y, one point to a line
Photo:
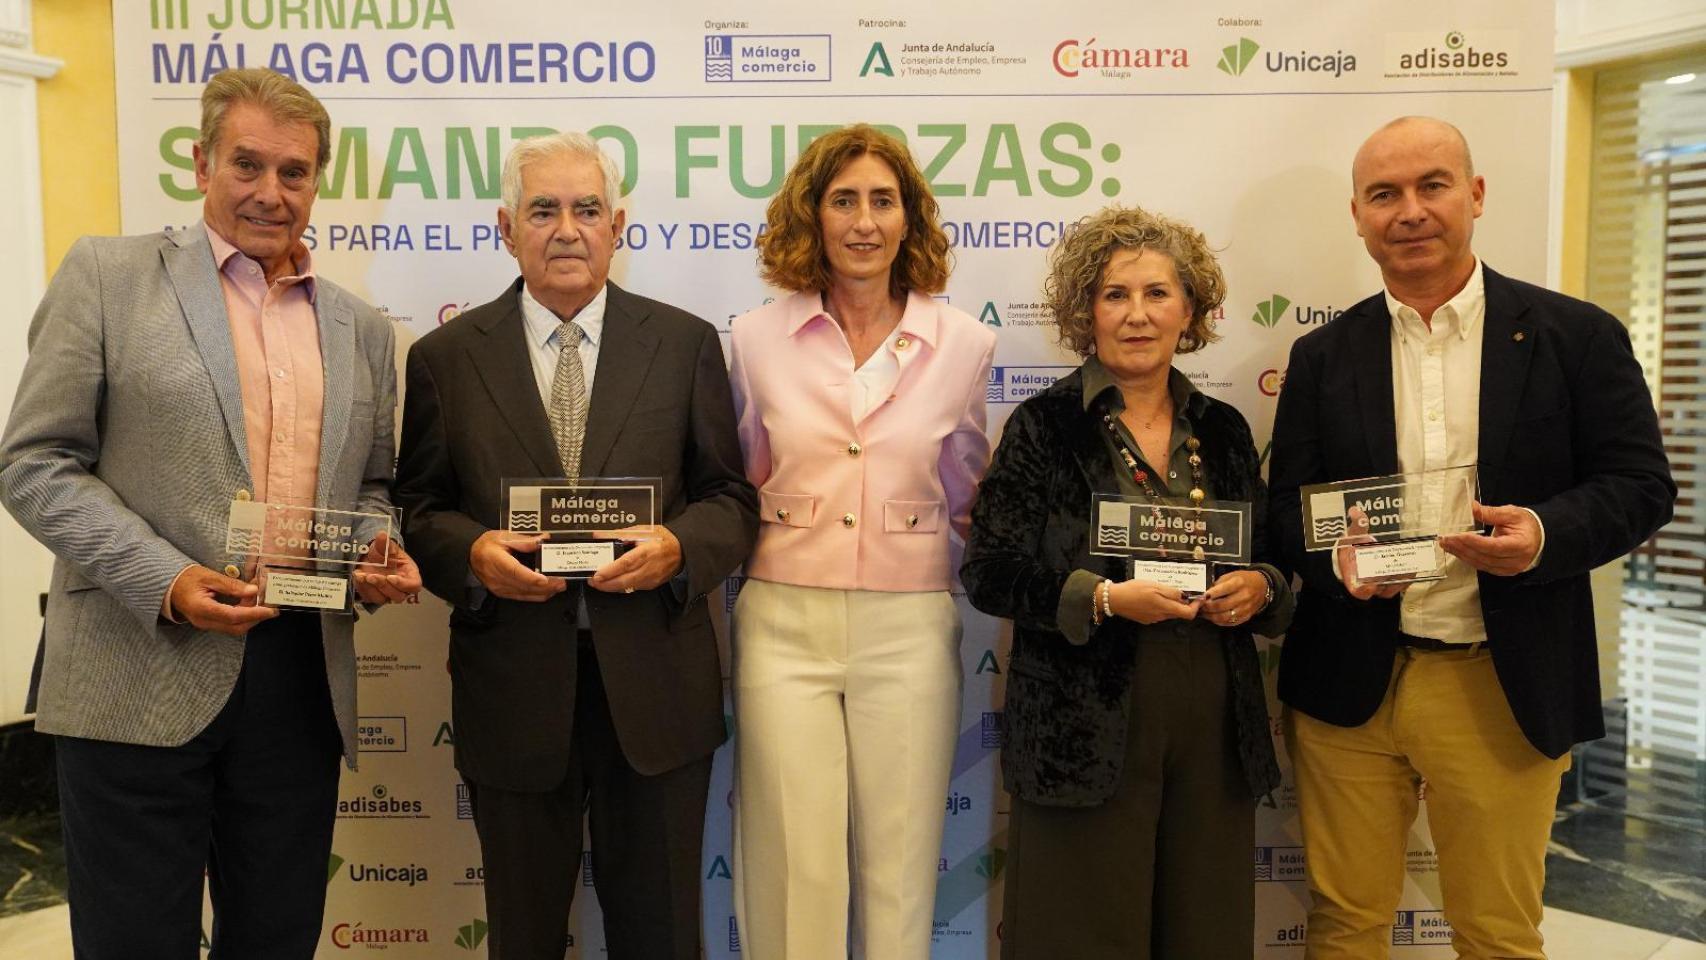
1517	336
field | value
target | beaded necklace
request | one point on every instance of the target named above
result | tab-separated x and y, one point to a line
1141	476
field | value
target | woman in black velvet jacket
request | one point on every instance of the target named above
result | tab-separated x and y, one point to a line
1137	734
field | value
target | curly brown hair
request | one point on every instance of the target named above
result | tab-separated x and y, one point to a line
790	251
1077	262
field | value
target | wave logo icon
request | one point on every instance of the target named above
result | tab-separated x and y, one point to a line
1328	528
243	541
1109	535
524	521
245	528
1326	514
719	58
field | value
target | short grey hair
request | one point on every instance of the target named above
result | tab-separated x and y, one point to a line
572	143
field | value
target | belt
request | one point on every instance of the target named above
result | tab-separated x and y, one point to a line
1430	645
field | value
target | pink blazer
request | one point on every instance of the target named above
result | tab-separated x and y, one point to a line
866	505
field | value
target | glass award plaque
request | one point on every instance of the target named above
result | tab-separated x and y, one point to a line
1391	525
1172	542
587	521
301	556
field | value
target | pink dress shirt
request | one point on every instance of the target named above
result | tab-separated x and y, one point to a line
276	337
866	504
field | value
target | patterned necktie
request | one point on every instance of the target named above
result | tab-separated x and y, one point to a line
568	399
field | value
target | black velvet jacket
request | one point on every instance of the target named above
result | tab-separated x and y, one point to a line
1068	707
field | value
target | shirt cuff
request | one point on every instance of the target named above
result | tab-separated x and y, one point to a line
1542	548
1072	616
166	612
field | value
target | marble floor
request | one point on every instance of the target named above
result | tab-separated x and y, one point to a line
1633	872
32	864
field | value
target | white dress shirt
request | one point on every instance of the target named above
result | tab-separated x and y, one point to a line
1436	399
874	381
543	345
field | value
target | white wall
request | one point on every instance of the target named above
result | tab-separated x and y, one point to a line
24	564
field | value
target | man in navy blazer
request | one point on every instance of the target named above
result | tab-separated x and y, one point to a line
1478	683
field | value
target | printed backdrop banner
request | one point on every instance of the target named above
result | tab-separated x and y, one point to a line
1240	118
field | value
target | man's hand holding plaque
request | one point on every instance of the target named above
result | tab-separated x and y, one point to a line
1386	532
1345	557
1511	546
494	561
210	600
654	558
398	580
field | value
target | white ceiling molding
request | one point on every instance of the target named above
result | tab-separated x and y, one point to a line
23	64
1596	31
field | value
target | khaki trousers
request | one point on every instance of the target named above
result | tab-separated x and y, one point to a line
1491	797
847	709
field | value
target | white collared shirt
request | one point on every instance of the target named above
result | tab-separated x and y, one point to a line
874	381
543	346
1436	400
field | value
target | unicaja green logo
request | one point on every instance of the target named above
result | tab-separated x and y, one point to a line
1268	312
472	935
332	867
1234	59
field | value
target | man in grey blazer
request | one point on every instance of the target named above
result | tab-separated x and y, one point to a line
196	729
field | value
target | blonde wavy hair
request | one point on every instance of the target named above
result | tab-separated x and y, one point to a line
1077	261
790	252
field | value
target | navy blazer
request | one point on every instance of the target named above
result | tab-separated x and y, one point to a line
1567	429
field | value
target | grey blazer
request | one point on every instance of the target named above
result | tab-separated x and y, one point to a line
124	450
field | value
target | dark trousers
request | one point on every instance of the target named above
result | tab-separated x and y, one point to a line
250	802
1161	871
646	839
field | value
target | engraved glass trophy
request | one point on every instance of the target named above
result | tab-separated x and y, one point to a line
302	556
1172	542
1388	528
587	521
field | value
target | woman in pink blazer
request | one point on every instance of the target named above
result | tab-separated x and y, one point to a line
861	411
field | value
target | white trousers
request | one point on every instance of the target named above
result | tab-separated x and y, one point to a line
847	708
